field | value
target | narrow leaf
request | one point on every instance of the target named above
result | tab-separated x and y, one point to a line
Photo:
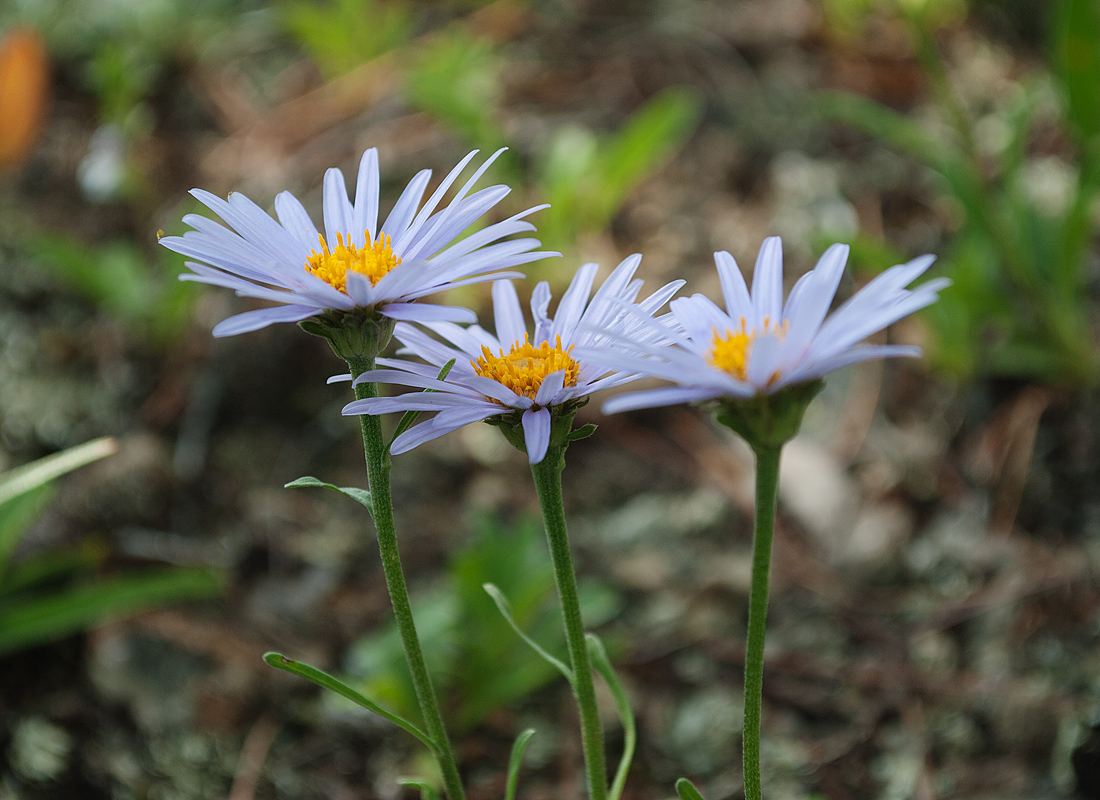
687	791
887	124
427	791
506	611
361	496
326	681
75	609
602	665
16	517
1077	55
582	432
409	417
30	476
514	763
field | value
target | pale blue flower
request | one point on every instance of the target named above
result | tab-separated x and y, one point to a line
412	254
532	377
760	344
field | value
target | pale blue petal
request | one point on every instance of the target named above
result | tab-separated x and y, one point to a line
667	396
767	283
337	207
549	388
536	433
261	318
293	217
365	211
507	313
442	423
427	312
405	207
734	290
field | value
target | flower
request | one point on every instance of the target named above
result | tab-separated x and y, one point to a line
759	345
534	379
354	263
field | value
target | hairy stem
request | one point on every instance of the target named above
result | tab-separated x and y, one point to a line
378	478
767	492
547	476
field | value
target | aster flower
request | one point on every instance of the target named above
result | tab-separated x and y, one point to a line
759	345
355	263
533	380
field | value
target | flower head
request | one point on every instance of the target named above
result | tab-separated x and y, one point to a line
531	379
759	345
355	262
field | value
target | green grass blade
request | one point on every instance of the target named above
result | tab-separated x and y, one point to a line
602	665
687	791
884	123
16	517
30	476
41	620
427	791
514	763
506	611
326	681
1077	56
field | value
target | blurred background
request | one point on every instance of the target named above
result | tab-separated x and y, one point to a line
935	623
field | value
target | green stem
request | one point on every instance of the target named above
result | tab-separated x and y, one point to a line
378	478
767	491
547	476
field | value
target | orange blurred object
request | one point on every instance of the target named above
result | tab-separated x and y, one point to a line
24	90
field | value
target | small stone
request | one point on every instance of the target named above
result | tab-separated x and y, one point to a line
39	750
706	729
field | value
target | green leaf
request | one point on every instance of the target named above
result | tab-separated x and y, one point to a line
16	517
361	496
1077	56
427	791
582	432
651	136
409	417
75	609
502	604
884	123
30	476
28	572
602	665
326	681
514	763
687	791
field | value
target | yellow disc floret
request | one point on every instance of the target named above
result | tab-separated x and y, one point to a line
372	260
731	348
525	366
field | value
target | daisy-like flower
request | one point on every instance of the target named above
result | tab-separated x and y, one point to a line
530	380
355	263
760	345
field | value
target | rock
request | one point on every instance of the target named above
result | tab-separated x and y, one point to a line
706	728
39	749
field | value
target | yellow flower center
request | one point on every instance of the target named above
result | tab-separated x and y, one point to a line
525	367
731	349
372	260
